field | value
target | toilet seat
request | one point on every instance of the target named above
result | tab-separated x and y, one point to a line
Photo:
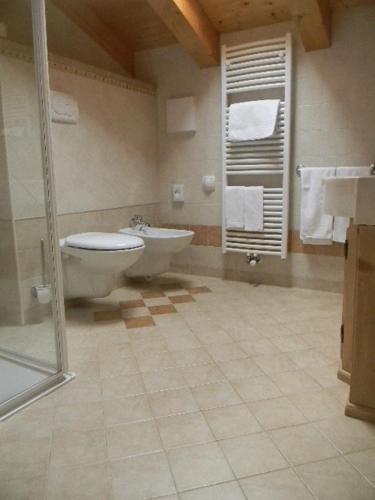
103	241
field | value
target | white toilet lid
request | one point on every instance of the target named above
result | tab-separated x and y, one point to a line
103	241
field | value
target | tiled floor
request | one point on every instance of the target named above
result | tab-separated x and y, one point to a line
232	396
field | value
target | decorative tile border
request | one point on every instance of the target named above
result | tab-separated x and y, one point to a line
25	53
211	236
139	313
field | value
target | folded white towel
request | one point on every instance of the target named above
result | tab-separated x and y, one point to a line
252	120
253	207
341	224
316	226
234	207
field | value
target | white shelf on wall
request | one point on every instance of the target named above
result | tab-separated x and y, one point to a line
259	69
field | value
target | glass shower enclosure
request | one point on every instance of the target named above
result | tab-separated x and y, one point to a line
32	337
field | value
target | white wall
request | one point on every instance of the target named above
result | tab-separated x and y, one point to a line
109	159
334	110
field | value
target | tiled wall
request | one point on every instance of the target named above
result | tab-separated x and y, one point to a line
105	166
333	111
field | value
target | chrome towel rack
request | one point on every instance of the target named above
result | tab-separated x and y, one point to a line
300	167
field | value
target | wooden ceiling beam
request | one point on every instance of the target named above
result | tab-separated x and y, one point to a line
193	29
313	19
85	18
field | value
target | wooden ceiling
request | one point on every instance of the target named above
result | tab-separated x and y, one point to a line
124	26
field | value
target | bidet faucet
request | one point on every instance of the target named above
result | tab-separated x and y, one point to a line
137	221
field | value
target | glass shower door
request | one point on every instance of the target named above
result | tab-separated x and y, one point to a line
32	349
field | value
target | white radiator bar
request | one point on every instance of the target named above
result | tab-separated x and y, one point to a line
259	66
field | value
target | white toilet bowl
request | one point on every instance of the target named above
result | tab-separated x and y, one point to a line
91	262
161	245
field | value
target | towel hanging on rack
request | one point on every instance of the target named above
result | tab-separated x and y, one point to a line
253	208
234	207
341	224
252	120
316	226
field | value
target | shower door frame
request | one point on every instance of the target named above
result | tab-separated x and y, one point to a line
62	375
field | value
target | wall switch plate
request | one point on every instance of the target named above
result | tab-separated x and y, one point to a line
178	193
208	183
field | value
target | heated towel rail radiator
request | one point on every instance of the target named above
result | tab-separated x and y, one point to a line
252	71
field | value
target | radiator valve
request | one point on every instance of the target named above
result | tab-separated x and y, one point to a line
252	258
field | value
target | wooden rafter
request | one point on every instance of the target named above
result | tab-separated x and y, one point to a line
313	19
83	16
191	26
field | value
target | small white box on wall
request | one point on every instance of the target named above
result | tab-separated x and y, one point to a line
64	108
181	115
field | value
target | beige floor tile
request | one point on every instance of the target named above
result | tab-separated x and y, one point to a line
271	331
257	388
115	351
335	479
278	485
240	369
172	378
79	417
290	343
23	489
364	462
224	491
317	405
24	458
192	357
157	301
295	382
135	312
309	357
348	434
122	386
78	447
149	344
181	342
226	352
259	347
276	413
126	410
80	482
187	429
275	363
114	367
203	374
33	422
254	454
326	376
145	476
302	444
133	439
155	360
79	391
231	421
199	465
172	402
215	395
209	333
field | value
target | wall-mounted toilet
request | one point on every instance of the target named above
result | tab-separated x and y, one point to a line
161	244
92	261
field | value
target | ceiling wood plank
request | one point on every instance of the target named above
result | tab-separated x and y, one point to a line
83	16
313	19
193	29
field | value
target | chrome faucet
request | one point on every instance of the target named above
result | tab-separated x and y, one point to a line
138	222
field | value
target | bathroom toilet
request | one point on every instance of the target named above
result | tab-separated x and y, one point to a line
160	246
92	261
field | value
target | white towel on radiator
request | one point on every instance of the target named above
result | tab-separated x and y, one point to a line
316	226
252	120
341	224
253	206
234	207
